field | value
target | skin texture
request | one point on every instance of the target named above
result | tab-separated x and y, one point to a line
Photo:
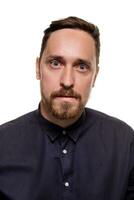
67	72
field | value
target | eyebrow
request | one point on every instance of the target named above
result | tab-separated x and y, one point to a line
54	57
87	62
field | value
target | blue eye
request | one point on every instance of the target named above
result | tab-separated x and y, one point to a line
82	67
55	63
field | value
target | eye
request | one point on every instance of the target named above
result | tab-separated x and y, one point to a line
55	63
83	67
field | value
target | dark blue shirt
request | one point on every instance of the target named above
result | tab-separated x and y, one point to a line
93	159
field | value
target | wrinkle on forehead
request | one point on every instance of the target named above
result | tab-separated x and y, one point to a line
71	44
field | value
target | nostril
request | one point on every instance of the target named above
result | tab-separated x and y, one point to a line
67	86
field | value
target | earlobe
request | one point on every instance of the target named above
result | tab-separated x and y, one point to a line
37	69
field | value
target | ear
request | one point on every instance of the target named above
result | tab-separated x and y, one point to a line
37	69
96	74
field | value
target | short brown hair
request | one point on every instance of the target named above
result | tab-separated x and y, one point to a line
73	23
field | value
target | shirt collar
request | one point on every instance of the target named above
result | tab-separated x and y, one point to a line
54	131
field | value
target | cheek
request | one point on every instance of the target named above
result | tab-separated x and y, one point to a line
48	83
84	88
84	85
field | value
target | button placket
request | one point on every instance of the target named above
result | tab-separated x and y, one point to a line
66	161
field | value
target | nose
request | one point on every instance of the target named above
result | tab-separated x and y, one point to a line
67	77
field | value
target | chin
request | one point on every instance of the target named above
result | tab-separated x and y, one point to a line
66	110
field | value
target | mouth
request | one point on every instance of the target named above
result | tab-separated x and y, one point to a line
66	98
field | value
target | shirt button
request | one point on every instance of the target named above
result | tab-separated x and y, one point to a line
66	184
64	132
64	151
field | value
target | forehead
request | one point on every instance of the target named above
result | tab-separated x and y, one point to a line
71	42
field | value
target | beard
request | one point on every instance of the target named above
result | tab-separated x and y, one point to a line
64	110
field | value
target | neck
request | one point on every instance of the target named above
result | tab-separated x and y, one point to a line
63	123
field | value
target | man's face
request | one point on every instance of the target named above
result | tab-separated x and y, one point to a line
67	72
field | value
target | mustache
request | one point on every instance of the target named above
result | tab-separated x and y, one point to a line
66	93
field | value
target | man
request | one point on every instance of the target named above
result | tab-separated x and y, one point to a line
64	151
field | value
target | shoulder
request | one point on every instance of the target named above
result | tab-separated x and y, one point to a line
19	139
109	123
115	135
18	135
18	123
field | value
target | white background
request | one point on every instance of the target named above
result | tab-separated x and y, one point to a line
21	29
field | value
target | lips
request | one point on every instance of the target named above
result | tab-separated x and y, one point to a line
67	97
